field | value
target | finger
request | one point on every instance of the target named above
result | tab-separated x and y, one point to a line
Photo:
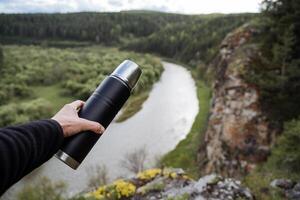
87	125
76	104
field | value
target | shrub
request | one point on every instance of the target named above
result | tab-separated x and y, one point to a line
98	176
78	70
135	161
43	189
286	153
1	58
19	113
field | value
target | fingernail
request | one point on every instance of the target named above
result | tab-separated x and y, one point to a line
101	130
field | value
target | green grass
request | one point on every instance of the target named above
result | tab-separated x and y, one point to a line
284	162
185	153
259	180
133	105
53	95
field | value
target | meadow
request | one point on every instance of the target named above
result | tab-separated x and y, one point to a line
36	80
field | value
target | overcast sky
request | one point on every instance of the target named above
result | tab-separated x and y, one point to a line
178	6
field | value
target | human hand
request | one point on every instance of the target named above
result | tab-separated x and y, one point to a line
72	124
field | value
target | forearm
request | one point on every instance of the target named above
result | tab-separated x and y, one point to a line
25	147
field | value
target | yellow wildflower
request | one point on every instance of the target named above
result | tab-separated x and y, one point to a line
186	177
95	194
98	196
124	189
101	190
173	175
149	174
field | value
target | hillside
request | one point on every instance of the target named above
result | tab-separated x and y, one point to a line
71	37
193	42
103	28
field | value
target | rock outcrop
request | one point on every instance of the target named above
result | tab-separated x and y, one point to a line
289	188
239	134
171	184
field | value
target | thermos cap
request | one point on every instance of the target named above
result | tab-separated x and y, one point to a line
129	72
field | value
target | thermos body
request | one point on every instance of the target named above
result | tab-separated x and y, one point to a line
102	106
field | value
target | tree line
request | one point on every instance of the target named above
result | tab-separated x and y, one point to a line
278	73
194	41
105	28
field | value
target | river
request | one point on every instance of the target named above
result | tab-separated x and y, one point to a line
165	118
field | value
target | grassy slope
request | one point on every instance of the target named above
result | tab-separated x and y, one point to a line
133	105
52	94
259	180
185	153
284	162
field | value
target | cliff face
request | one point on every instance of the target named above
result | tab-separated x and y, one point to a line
238	135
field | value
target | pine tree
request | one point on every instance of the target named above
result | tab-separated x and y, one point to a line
1	58
281	46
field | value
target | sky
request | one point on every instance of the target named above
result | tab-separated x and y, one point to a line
175	6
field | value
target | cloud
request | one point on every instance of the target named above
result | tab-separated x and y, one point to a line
49	6
35	6
179	6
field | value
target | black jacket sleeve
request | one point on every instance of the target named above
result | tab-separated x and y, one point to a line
25	147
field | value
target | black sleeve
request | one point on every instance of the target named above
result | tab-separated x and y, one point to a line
25	147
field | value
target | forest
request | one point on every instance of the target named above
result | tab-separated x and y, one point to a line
104	28
278	77
62	53
195	42
189	38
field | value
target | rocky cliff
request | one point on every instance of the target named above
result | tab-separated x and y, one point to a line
239	134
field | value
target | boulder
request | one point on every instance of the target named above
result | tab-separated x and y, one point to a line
290	189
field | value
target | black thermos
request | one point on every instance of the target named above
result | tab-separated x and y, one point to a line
102	106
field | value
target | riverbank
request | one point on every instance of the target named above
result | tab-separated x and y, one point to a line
133	105
185	154
135	102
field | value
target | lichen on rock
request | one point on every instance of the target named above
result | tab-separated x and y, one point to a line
171	184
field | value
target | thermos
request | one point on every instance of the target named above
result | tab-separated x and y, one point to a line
102	106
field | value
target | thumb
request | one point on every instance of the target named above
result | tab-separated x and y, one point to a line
87	125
